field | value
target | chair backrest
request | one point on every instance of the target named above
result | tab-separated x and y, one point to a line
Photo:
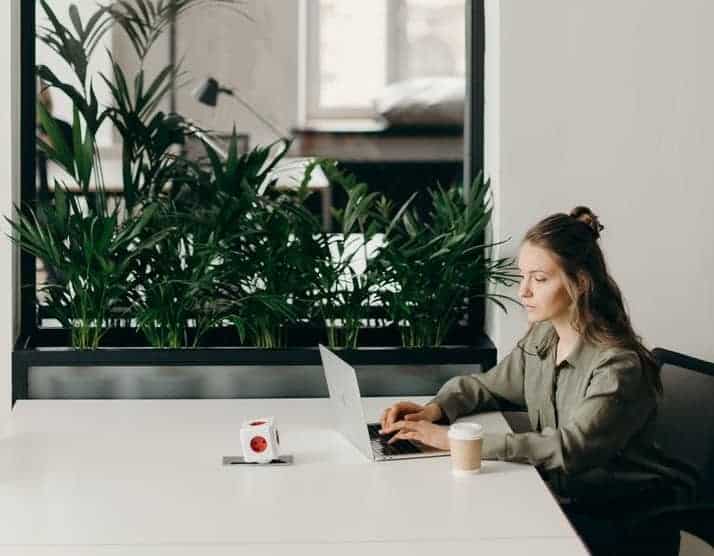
685	425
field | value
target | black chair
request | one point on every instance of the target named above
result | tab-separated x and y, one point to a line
685	430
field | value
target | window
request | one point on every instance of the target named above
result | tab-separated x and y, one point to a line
362	47
353	49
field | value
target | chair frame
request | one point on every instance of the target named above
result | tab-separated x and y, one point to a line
696	519
665	356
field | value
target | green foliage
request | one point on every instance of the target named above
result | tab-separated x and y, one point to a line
87	105
94	257
176	283
75	46
342	286
144	21
147	135
431	267
77	159
264	241
200	244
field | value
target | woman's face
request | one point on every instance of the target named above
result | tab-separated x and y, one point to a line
542	290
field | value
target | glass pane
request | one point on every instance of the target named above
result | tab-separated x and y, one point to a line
241	69
431	39
353	42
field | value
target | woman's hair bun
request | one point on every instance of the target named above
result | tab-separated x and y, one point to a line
585	215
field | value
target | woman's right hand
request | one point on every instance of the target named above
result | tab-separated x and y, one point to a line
409	411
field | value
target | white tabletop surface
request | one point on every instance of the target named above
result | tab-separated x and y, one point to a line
145	477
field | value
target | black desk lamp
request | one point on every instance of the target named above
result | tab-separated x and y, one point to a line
207	93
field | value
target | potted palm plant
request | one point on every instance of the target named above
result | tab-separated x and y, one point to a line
433	265
345	287
211	252
93	255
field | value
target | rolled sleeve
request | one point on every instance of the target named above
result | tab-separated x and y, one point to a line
616	405
494	446
467	394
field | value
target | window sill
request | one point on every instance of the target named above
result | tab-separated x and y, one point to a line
374	127
372	141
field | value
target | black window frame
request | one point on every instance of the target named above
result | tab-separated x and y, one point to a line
28	161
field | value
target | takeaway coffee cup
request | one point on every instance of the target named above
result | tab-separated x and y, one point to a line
465	444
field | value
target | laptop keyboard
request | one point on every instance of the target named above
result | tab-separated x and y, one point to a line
379	443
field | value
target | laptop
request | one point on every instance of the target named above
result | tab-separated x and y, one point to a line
349	416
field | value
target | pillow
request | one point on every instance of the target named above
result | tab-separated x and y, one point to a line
437	101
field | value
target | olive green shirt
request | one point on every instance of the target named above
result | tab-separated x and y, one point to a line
593	416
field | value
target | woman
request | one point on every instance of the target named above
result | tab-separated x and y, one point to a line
588	383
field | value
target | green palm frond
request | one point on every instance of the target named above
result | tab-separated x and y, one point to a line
95	257
75	46
144	21
87	105
432	265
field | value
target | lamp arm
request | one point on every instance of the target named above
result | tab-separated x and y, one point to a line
253	111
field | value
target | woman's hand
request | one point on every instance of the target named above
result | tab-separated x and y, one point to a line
409	411
421	431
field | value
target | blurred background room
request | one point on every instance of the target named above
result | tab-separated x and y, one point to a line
378	86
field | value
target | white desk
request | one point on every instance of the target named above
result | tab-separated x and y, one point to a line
145	477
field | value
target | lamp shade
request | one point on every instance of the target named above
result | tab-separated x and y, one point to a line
207	92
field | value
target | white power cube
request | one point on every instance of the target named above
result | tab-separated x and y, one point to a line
260	440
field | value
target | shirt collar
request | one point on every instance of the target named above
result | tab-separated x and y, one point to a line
578	356
546	343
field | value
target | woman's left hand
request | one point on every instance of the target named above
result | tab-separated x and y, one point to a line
421	431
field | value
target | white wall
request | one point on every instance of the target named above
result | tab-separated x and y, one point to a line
257	57
609	104
9	170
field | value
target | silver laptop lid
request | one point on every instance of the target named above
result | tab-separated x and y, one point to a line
346	401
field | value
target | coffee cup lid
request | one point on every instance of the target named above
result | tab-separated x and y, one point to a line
465	431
